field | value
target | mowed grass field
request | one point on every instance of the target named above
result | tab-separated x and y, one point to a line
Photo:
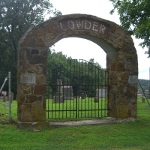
123	135
76	109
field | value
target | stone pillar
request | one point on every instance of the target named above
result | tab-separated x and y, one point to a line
111	82
122	94
31	91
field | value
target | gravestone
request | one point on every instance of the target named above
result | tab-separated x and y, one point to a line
1	98
81	94
68	93
4	98
50	96
143	99
12	96
100	93
58	98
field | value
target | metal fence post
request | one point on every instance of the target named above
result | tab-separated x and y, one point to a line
9	90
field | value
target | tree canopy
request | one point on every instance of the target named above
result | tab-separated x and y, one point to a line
135	18
80	74
145	85
16	17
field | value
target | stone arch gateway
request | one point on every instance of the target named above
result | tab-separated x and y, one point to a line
32	53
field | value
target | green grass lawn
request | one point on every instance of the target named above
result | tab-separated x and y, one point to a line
125	135
77	108
4	111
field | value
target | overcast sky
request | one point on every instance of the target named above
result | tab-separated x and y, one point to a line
79	48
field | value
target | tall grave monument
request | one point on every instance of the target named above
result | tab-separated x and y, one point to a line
58	98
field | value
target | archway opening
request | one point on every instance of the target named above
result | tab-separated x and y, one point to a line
72	105
80	48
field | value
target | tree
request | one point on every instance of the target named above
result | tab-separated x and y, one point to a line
16	17
135	18
80	74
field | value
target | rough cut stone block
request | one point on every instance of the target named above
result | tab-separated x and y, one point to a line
39	42
41	80
40	90
28	42
124	76
37	59
38	32
28	78
36	68
26	114
31	98
121	66
34	51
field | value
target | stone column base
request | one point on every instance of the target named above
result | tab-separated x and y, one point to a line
35	126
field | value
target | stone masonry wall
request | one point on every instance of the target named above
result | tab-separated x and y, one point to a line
32	59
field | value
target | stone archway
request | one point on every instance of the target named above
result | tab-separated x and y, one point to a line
121	63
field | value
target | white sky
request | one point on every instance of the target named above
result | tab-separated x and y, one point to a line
79	48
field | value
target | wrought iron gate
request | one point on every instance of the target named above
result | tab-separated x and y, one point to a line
77	89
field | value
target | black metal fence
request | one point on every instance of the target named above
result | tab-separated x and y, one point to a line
143	109
77	89
143	98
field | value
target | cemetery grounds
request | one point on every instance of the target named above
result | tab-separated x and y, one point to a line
76	109
123	135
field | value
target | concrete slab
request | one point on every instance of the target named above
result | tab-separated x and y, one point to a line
81	123
37	126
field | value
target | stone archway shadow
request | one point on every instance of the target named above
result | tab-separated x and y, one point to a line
31	66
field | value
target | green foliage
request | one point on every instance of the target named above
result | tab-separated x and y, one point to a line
145	85
16	17
135	18
80	74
